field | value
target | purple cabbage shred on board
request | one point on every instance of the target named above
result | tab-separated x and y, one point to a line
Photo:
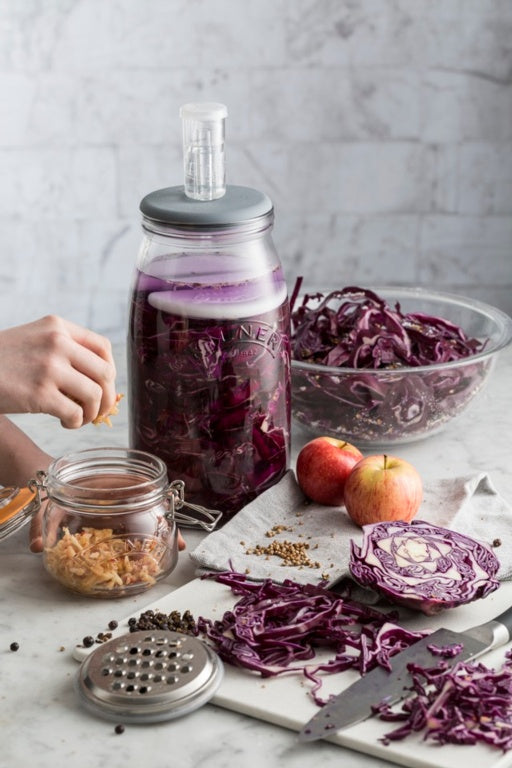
277	628
468	703
446	651
423	566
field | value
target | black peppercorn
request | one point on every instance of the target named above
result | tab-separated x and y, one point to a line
174	621
88	641
119	728
14	646
112	624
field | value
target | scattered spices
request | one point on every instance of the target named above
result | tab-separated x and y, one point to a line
277	529
173	621
291	552
101	637
14	646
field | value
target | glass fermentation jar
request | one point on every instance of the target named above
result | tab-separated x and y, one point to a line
209	331
209	351
110	523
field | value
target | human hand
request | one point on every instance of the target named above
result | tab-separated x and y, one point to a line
54	366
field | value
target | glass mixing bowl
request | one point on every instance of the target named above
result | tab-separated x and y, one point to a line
383	407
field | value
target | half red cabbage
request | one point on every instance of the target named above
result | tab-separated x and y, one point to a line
423	566
276	629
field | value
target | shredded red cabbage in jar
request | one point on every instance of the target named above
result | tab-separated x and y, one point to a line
423	566
209	388
374	345
468	703
274	628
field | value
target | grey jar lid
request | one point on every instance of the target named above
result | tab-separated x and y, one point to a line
238	205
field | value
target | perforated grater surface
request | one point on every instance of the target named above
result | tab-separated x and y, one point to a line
148	676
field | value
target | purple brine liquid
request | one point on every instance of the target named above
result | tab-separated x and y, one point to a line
209	384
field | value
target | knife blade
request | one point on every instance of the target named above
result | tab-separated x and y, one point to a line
354	704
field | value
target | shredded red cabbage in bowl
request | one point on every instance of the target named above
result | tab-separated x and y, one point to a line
389	365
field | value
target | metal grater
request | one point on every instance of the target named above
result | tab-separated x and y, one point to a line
148	676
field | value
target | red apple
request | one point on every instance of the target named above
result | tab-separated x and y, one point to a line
323	466
383	488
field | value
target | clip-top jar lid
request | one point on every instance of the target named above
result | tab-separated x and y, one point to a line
16	508
237	206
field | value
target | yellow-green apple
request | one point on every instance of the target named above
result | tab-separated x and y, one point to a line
383	487
323	466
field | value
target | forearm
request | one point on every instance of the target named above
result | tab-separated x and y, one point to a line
20	457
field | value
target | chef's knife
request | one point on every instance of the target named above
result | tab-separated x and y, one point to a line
355	703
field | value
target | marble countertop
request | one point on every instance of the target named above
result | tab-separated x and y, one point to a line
42	722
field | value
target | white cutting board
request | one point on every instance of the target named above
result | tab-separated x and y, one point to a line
285	700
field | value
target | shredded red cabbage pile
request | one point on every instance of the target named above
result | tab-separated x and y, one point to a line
274	628
423	566
364	331
464	704
380	390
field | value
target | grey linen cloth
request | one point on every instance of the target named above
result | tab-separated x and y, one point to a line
470	505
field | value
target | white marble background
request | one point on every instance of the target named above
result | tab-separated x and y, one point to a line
382	129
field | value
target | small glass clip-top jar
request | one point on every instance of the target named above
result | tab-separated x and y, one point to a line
109	526
209	330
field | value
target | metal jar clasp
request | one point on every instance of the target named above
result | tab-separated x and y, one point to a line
208	518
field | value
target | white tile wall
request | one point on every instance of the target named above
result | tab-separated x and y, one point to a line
382	129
